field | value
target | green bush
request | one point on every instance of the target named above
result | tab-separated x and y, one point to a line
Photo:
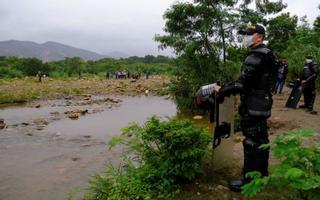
298	172
157	156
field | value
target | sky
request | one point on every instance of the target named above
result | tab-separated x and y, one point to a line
102	26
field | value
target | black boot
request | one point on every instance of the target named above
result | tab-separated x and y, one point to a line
235	185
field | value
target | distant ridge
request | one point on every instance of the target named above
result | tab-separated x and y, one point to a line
47	51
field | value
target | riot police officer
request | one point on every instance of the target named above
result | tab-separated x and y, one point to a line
255	85
308	80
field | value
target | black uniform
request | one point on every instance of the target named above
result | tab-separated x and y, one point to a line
259	72
309	73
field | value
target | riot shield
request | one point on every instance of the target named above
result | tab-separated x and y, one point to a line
295	95
223	155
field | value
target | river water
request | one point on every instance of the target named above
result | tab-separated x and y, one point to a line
45	155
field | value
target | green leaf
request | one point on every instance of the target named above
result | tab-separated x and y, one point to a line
115	141
256	185
294	173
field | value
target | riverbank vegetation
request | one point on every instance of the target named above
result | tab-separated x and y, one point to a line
298	173
170	160
157	157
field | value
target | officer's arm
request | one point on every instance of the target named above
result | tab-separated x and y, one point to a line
232	88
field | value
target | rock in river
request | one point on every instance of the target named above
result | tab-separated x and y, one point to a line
41	122
73	115
2	124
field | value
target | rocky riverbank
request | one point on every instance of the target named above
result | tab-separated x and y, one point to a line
29	89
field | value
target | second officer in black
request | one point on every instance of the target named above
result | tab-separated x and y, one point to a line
255	85
308	79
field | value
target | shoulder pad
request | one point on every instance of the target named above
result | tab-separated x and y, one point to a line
252	60
262	50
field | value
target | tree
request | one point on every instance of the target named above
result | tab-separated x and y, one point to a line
251	11
316	27
303	43
74	65
280	29
31	66
201	34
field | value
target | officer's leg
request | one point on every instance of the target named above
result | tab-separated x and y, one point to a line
312	99
255	159
307	97
281	85
275	90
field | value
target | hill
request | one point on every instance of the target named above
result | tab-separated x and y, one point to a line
47	51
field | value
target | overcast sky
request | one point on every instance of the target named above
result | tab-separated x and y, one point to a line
102	26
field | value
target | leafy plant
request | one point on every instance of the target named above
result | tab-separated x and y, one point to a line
156	157
298	172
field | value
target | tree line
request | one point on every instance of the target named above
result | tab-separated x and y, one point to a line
14	67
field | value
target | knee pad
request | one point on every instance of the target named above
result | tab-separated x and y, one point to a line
251	144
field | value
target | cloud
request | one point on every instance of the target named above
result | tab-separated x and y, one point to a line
99	25
302	8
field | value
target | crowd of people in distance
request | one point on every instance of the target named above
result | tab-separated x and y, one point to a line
126	74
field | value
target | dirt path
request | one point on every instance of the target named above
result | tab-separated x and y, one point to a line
285	119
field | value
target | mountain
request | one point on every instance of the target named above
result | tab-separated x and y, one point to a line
47	51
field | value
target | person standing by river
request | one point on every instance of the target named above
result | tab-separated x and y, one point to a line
255	86
39	76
